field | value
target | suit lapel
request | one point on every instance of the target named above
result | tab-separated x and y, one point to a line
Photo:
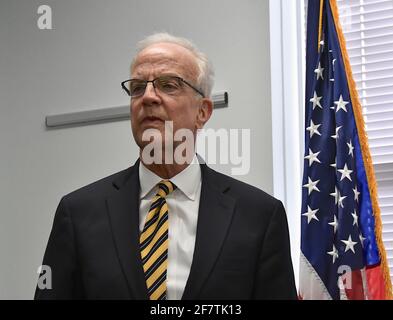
123	208
214	218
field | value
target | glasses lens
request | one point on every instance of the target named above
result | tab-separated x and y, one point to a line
169	85
136	87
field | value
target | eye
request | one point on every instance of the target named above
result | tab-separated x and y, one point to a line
168	84
137	87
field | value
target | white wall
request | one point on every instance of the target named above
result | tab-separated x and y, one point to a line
79	66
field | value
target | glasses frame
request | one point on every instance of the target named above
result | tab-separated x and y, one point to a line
152	82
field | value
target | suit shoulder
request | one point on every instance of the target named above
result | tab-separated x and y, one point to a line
246	191
99	187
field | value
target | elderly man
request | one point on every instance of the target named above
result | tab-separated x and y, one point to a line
169	229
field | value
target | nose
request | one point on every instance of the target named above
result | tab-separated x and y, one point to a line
150	96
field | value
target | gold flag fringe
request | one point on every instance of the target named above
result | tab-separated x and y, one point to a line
372	184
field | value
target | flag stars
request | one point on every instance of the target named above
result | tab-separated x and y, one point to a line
349	244
356	194
340	200
313	129
336	135
345	173
333	253
335	194
361	238
319	72
350	147
312	157
312	185
334	223
341	104
355	218
316	101
334	165
310	214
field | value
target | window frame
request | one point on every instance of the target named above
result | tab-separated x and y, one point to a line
287	49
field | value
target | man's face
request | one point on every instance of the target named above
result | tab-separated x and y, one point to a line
153	108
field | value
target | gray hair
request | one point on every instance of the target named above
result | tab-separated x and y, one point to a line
205	78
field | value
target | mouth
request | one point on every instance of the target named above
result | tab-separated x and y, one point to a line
152	120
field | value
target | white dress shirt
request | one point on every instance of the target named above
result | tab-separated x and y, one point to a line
183	206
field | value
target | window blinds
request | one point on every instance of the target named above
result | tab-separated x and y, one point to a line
368	30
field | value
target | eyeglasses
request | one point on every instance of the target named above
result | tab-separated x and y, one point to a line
171	85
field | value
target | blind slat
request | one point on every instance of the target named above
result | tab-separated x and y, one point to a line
388	218
380	124
383	167
383	150
385	201
377	116
377	107
368	84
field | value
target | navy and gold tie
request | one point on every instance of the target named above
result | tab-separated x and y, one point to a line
154	243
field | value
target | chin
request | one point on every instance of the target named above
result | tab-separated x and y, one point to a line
150	136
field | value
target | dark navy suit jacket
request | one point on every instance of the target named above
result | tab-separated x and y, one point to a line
241	251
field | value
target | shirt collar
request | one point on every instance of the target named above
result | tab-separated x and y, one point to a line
187	181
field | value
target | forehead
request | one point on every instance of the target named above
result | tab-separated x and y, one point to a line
165	57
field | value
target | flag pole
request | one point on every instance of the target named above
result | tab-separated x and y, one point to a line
320	24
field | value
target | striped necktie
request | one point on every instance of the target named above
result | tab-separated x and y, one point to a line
154	243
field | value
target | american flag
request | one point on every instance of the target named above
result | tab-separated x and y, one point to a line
342	255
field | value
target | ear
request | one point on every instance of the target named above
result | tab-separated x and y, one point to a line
205	111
